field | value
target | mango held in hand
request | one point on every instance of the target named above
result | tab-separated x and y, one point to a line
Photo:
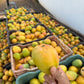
45	56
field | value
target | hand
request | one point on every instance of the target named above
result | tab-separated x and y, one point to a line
57	77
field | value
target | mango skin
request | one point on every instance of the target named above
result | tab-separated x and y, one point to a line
71	75
45	56
80	80
82	71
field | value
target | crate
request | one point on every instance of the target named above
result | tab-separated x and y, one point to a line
3	36
61	24
25	78
13	14
78	49
9	20
68	52
74	34
12	31
8	64
18	22
56	25
65	48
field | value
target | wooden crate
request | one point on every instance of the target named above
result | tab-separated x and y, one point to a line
64	47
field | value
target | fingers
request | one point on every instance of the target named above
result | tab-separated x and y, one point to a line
45	82
56	73
59	76
48	83
49	80
53	71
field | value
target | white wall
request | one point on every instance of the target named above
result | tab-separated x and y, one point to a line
70	12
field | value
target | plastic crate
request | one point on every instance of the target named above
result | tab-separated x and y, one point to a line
25	78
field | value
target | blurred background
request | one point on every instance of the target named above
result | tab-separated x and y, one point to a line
26	3
70	13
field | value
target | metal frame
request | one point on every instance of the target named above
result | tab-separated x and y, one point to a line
11	3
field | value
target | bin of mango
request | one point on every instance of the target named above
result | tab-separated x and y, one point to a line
23	24
19	18
21	54
3	31
74	69
3	35
6	76
3	44
21	61
46	19
72	66
70	39
15	12
59	30
5	57
79	49
51	23
30	34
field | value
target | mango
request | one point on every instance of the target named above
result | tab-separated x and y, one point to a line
34	81
10	73
71	75
1	75
73	82
17	56
44	57
16	49
31	62
82	71
77	63
26	52
41	77
80	80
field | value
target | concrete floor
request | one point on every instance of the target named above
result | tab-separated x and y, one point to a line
26	3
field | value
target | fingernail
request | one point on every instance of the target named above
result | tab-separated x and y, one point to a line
53	83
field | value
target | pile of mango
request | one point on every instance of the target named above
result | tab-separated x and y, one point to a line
75	72
3	32
79	50
23	25
46	19
20	18
30	34
51	24
23	58
15	12
6	76
70	39
3	43
4	57
3	35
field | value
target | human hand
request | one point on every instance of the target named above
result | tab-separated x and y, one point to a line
57	77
